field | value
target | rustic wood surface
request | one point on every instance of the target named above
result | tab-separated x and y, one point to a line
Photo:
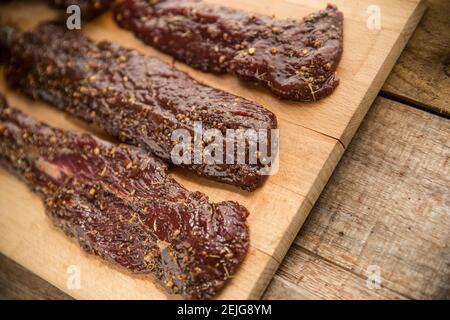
422	74
386	205
16	282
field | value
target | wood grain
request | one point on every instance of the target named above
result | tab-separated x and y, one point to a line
16	282
309	151
387	204
422	73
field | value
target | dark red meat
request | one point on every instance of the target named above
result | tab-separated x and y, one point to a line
120	204
137	98
294	59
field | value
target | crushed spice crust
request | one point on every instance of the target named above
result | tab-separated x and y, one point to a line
255	48
189	245
136	98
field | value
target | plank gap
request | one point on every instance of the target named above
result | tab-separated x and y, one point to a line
413	103
317	256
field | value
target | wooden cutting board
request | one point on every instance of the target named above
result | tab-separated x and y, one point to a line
313	137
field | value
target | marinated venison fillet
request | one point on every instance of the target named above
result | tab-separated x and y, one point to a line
89	8
295	59
120	204
137	98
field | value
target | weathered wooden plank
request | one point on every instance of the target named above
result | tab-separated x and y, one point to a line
344	113
387	204
17	282
306	276
422	73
